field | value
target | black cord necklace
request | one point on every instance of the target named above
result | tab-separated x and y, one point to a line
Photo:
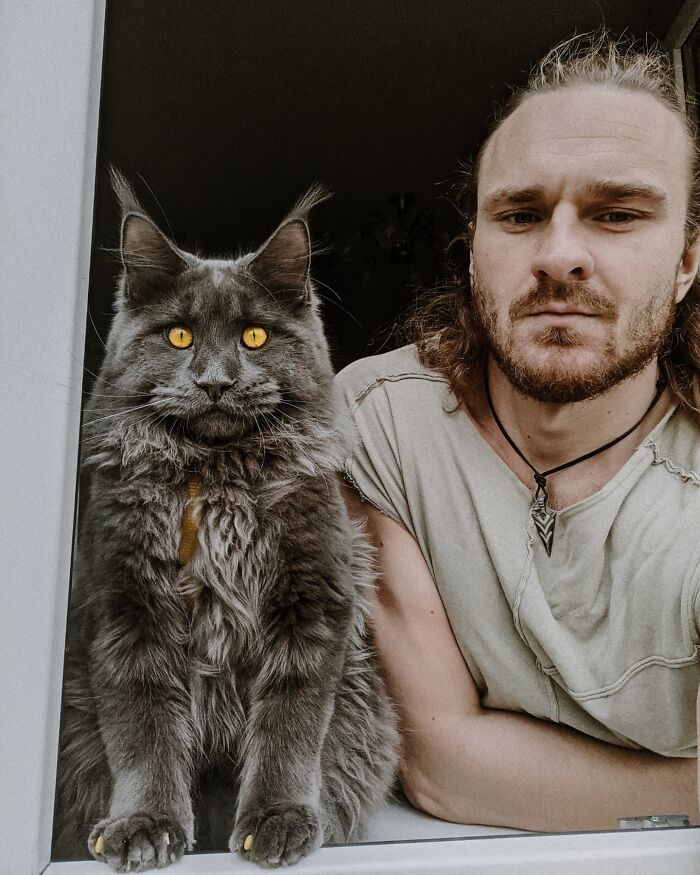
543	517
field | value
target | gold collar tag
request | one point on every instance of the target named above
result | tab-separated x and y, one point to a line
190	522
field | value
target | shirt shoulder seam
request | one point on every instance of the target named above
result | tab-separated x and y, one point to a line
687	475
347	471
395	378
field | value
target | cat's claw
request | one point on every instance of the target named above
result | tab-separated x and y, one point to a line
137	843
277	835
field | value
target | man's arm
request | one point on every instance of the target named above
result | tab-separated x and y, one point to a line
467	764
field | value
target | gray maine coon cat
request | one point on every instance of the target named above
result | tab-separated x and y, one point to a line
233	692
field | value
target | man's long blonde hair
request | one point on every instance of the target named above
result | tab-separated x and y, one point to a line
443	326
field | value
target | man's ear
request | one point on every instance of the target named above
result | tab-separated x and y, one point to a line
687	269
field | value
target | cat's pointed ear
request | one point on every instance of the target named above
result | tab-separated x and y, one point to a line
151	261
281	265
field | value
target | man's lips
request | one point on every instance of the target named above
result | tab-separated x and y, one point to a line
561	317
561	311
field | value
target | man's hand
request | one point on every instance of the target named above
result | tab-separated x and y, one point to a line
466	764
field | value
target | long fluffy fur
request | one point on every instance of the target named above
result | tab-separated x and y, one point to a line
237	694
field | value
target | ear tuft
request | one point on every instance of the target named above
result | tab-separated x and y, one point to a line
283	262
151	261
281	266
126	198
317	194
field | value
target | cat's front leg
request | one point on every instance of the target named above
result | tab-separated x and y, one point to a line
278	818
139	681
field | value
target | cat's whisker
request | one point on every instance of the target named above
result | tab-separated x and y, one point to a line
160	206
127	410
282	425
125	309
135	395
387	339
99	436
112	408
321	296
122	412
292	433
166	393
94	328
125	392
295	405
97	376
340	307
320	250
266	290
262	447
36	374
318	282
271	422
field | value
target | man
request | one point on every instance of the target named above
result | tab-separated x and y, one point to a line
538	627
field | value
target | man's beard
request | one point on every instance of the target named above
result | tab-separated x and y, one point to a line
649	326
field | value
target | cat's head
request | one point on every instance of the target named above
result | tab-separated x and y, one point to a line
220	347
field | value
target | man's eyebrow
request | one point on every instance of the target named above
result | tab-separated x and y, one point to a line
510	195
611	189
607	189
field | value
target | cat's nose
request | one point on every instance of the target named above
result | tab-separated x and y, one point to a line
214	389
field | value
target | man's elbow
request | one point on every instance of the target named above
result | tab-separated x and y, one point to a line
424	791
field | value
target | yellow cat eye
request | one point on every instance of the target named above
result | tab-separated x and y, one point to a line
180	336
254	337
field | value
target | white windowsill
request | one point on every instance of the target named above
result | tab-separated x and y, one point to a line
403	840
643	853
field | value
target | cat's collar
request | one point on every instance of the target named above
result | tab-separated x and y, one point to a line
190	521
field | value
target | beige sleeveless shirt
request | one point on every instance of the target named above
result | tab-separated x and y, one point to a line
603	635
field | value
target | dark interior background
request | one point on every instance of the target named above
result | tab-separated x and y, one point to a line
222	112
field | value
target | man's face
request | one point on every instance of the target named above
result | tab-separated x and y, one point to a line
578	255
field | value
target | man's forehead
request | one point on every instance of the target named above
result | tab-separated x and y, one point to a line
585	133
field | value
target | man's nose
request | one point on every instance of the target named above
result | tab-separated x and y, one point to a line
564	255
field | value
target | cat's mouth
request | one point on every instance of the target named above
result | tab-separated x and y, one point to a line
217	423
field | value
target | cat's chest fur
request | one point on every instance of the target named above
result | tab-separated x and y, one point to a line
216	600
223	583
234	557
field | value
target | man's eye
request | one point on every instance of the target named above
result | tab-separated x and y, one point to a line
519	217
618	217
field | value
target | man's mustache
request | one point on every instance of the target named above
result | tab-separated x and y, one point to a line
576	295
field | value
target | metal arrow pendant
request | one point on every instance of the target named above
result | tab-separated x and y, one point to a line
544	520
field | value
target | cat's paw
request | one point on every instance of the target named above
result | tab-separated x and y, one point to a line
139	842
277	835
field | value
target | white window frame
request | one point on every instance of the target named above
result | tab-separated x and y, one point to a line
677	35
50	69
